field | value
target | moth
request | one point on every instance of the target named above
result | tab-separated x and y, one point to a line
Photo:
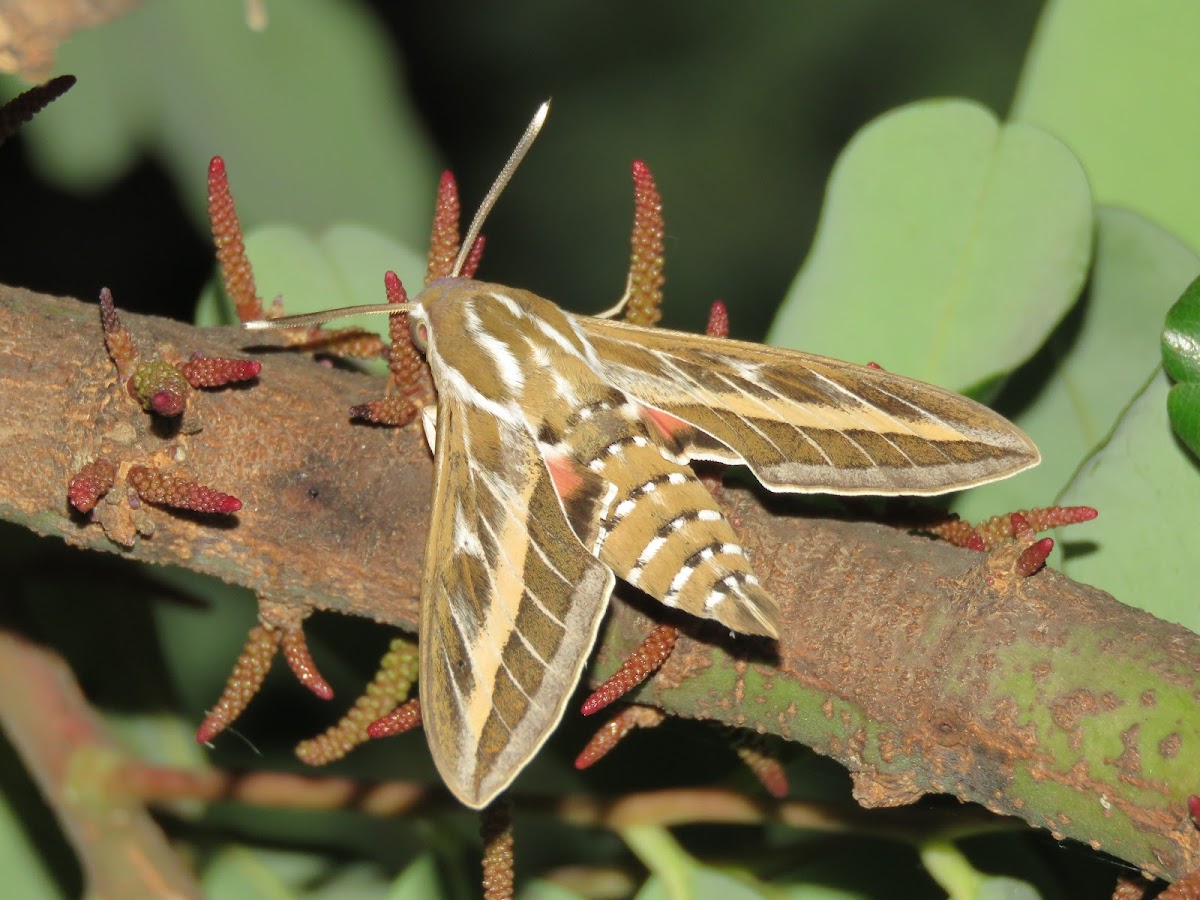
561	445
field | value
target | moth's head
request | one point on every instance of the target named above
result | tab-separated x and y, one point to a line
450	305
432	306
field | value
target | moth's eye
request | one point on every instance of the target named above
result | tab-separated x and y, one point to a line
420	334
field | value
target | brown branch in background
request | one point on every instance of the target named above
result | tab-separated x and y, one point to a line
162	787
32	30
68	751
845	677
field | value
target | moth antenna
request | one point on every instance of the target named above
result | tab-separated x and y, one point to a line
311	320
613	311
501	182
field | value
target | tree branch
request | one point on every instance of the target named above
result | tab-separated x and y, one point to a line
66	746
921	667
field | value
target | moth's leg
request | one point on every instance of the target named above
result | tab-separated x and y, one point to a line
429	422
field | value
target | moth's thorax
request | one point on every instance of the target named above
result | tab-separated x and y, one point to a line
464	302
503	340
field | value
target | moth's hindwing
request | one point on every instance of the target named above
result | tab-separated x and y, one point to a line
660	530
807	423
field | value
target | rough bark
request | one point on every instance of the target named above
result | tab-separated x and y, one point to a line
921	667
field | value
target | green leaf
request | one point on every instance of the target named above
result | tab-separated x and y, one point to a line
1117	82
676	875
418	881
159	737
951	868
187	80
949	247
200	642
545	890
353	881
257	873
1183	409
1083	378
701	883
819	892
671	866
237	872
343	266
1000	887
1181	336
25	872
1147	489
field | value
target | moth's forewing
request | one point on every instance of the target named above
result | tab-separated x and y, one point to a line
806	423
510	605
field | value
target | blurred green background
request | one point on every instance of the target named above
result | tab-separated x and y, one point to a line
740	110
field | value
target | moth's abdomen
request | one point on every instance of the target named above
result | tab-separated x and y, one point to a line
663	532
